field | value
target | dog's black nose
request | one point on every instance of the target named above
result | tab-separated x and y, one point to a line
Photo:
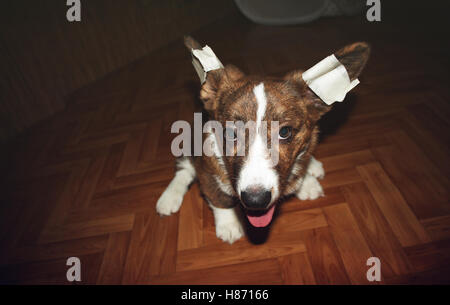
256	198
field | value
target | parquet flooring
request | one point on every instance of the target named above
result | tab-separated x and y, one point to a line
85	183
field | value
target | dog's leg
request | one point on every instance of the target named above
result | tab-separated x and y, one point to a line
170	201
310	187
315	168
228	226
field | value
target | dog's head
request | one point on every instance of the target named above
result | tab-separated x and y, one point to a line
230	95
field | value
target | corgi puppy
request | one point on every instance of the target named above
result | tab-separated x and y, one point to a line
248	187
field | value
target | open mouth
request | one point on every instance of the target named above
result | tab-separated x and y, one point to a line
260	219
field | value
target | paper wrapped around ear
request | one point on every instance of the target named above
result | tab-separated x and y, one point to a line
205	60
329	80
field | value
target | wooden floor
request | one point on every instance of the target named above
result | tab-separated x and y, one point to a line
85	183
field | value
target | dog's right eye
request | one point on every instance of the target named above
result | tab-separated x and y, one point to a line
230	134
285	133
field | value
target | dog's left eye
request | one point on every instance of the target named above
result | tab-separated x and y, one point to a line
230	134
285	132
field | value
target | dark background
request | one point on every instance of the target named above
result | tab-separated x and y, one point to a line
44	58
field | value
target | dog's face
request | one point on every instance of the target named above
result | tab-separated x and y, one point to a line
229	95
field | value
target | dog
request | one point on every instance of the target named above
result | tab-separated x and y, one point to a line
250	185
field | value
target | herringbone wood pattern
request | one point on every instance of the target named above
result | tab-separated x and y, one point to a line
85	183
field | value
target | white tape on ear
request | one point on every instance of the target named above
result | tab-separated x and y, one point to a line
329	80
205	60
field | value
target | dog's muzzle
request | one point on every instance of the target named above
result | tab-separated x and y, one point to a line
256	198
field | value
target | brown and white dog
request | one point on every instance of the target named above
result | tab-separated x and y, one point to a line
249	185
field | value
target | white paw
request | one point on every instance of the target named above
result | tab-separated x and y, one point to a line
228	226
310	189
315	168
169	202
229	232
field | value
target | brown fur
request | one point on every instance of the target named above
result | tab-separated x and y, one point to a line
227	96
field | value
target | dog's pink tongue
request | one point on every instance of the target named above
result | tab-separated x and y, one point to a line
263	220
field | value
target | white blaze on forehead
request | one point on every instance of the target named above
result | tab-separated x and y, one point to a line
262	103
257	169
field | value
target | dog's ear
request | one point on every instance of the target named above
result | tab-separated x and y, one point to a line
353	57
314	105
216	81
191	43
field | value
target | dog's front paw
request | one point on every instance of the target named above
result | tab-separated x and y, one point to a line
230	232
310	189
169	202
315	168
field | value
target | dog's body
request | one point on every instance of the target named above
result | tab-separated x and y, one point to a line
251	184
